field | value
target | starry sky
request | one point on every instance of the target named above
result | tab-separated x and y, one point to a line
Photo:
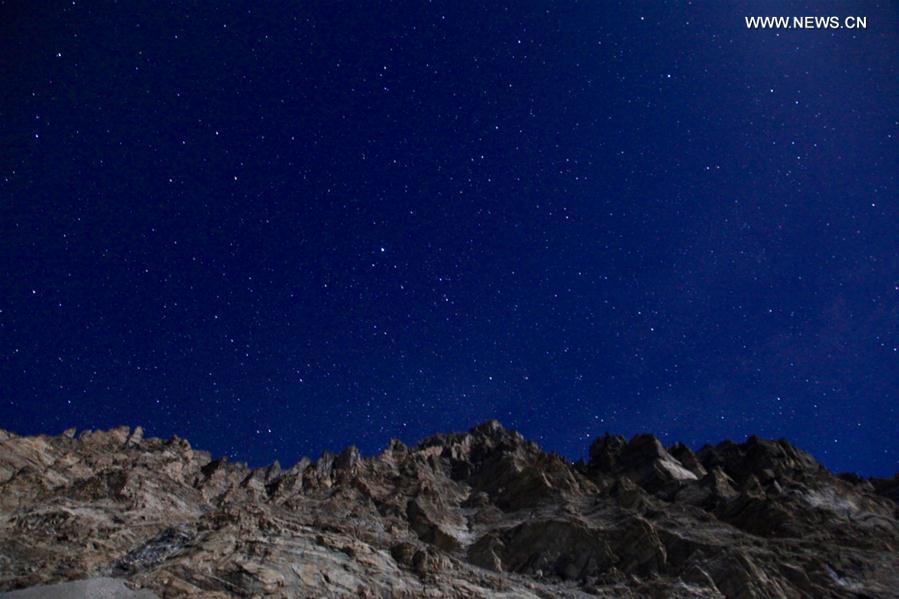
280	228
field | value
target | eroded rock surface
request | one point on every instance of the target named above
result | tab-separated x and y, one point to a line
478	514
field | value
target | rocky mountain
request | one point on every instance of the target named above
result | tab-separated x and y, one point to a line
478	514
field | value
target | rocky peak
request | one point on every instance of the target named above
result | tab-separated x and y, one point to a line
605	452
759	457
485	438
687	458
642	459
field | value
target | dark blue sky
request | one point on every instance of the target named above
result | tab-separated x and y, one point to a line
281	228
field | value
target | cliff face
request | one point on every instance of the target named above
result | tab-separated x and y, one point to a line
482	513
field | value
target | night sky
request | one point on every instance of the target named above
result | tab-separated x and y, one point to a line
280	228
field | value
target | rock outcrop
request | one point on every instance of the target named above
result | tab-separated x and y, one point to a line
478	514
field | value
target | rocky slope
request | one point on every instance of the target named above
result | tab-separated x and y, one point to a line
476	514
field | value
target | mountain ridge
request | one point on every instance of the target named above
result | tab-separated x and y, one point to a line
477	513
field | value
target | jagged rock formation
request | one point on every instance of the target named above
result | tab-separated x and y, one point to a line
478	514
